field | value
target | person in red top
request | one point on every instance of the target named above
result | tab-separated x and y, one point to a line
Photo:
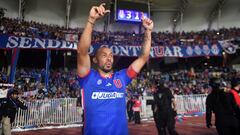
137	110
235	90
235	83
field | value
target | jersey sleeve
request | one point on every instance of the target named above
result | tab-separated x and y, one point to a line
127	75
84	79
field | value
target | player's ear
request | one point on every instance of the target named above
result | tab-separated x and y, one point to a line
95	60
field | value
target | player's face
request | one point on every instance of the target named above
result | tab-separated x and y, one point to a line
105	59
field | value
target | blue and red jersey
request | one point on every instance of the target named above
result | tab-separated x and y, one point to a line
104	102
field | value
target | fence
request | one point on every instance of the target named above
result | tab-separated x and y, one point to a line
191	103
186	104
59	112
49	112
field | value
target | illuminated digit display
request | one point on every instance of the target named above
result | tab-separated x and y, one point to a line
130	15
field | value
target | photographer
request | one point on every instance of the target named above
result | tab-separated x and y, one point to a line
9	107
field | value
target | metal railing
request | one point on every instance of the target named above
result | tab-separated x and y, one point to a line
191	103
186	104
62	112
49	112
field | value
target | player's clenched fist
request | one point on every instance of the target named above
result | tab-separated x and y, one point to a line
147	23
97	12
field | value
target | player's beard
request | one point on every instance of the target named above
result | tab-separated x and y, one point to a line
106	70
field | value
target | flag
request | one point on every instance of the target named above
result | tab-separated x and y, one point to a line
15	55
48	62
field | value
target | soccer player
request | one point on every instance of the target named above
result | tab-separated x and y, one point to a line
104	90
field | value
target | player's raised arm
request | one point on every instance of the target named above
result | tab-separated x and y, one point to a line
83	59
143	58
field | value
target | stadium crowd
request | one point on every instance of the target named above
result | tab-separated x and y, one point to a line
63	84
182	82
30	83
39	30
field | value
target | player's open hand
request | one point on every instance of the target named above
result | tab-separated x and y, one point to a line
97	12
147	23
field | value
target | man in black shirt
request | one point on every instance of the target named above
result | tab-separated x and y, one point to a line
165	110
9	109
222	104
130	104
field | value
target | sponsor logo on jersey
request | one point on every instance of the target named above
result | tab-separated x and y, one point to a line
107	95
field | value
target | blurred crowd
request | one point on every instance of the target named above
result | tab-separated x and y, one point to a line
181	82
33	29
64	84
30	83
40	30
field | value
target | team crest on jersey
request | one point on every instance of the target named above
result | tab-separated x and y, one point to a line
117	83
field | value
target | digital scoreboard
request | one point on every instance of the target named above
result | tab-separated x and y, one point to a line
130	15
128	11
